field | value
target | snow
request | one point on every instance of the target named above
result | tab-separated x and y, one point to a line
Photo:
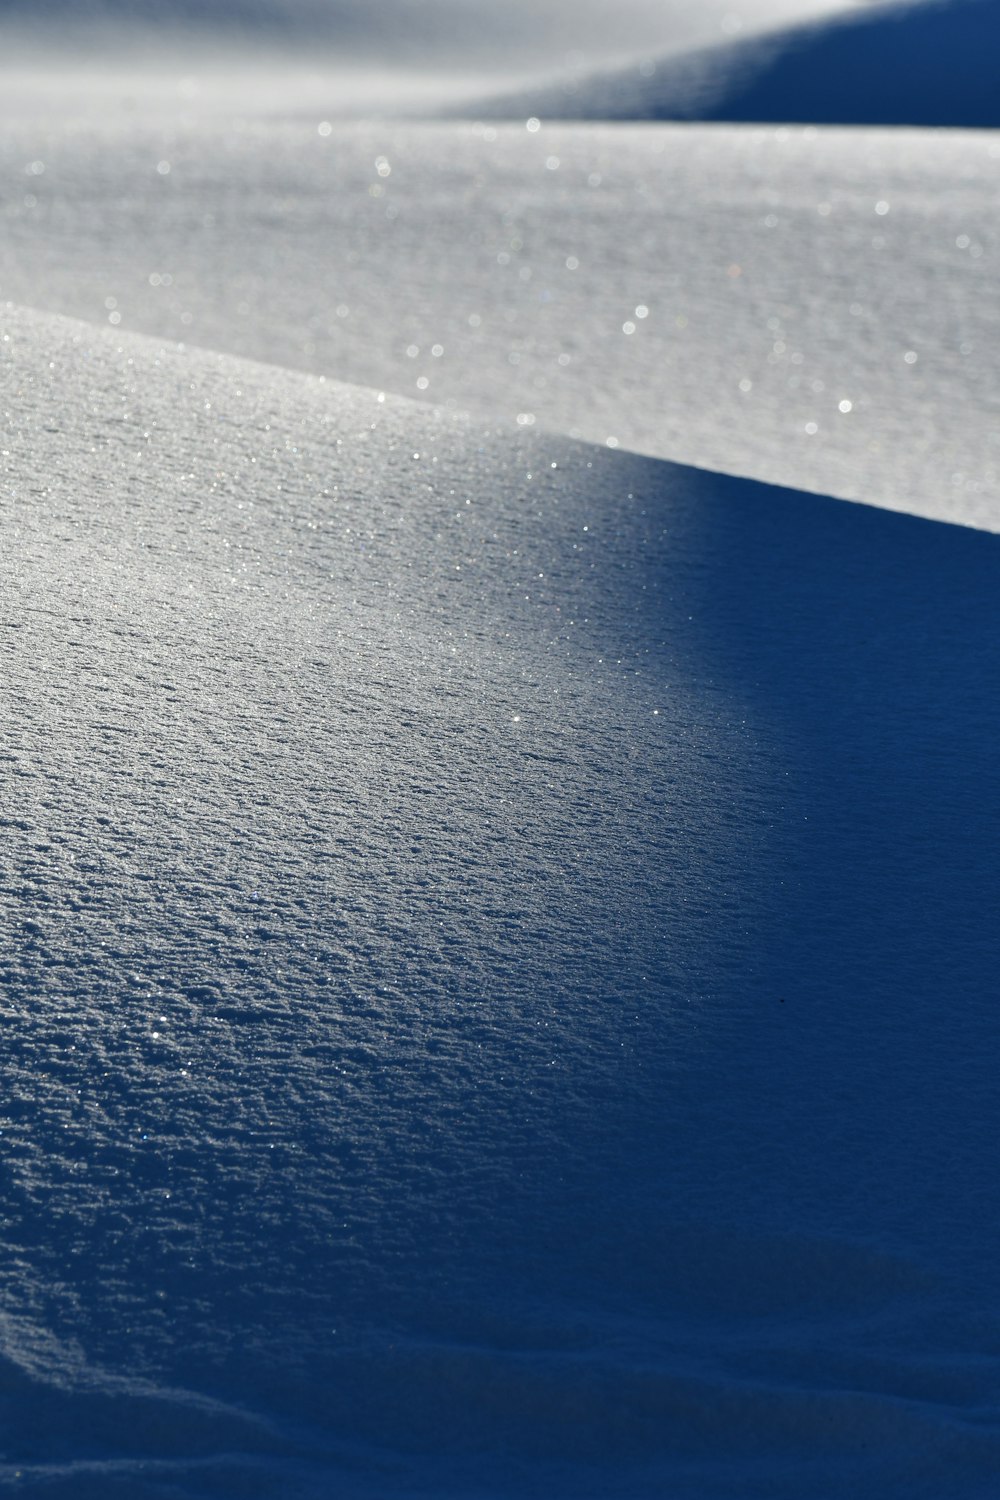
273	56
880	65
275	241
496	927
397	39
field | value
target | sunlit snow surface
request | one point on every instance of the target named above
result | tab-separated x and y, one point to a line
496	967
497	932
815	308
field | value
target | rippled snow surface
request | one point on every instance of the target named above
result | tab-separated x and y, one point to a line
498	939
497	924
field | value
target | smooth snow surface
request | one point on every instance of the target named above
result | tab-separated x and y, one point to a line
932	62
497	916
272	55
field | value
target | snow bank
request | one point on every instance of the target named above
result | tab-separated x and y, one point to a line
497	956
389	57
904	64
446	33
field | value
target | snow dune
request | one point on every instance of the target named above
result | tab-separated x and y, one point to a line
393	56
497	955
928	63
498	867
818	309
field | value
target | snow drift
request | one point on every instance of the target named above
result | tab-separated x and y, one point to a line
816	309
498	947
925	64
497	931
389	57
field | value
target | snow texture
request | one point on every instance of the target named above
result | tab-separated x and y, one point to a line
494	963
641	285
497	929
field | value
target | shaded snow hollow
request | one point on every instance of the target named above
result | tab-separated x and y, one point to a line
497	953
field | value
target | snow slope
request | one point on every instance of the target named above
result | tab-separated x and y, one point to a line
821	308
498	945
417	54
444	30
497	931
931	63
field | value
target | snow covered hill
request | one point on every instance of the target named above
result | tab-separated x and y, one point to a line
817	309
929	63
383	57
498	947
497	895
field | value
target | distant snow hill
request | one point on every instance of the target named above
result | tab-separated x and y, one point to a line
508	43
930	64
818	310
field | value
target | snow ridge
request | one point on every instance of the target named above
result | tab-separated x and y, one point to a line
882	66
443	871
